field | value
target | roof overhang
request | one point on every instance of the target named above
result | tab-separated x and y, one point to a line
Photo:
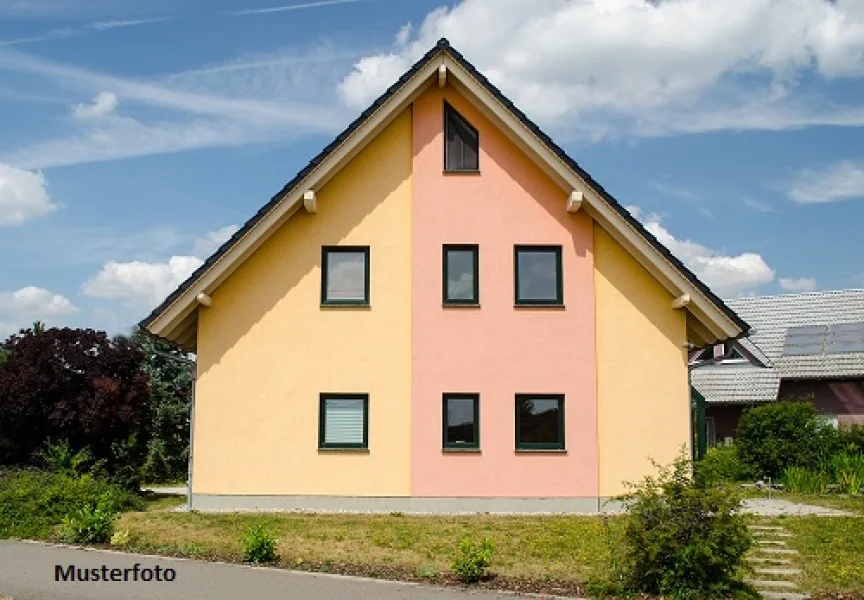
709	320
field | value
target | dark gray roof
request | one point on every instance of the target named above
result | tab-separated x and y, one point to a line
771	317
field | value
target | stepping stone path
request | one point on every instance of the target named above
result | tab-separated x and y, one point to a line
771	561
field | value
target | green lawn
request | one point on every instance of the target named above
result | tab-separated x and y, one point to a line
560	548
831	553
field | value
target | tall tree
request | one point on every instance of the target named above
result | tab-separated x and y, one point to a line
78	385
170	370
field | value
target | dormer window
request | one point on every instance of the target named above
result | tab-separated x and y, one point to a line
461	143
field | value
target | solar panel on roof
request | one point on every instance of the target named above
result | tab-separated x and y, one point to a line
805	340
846	337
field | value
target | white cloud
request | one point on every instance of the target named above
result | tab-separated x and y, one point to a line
726	275
640	65
843	181
103	104
288	7
22	307
23	196
804	284
140	285
244	101
210	242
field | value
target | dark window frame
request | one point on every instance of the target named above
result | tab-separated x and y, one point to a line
325	251
322	399
459	445
448	108
561	445
559	284
475	248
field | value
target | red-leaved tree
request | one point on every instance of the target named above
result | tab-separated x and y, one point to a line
77	385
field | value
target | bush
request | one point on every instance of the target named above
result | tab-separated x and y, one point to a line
58	457
89	524
848	471
852	439
473	559
721	464
259	545
779	435
32	503
74	384
805	481
684	538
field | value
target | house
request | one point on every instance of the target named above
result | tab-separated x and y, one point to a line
802	346
441	312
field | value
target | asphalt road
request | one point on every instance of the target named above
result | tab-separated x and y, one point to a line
27	572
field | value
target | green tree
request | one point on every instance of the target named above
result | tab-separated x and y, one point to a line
778	435
170	373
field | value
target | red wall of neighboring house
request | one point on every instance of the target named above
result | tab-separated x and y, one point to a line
841	398
844	399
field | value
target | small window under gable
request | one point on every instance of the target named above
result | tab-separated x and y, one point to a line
461	142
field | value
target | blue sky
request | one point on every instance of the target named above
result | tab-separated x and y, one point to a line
135	136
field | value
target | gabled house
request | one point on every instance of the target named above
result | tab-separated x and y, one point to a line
441	312
802	346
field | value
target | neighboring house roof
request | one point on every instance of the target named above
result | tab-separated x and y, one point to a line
711	320
771	318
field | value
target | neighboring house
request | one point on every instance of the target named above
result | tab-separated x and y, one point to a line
441	312
811	345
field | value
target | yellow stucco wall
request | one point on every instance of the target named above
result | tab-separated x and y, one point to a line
642	393
267	348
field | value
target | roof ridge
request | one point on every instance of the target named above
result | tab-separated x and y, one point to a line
795	294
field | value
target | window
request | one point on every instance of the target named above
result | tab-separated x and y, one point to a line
461	269
343	421
345	275
710	432
461	421
539	421
538	275
461	142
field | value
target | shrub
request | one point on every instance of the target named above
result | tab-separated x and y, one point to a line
32	503
721	464
473	559
784	434
805	481
684	538
59	457
74	384
848	471
89	524
852	439
259	545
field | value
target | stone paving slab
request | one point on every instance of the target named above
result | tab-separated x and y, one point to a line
784	595
765	583
775	507
778	571
775	550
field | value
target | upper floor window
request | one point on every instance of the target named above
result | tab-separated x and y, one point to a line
345	275
461	142
538	275
461	266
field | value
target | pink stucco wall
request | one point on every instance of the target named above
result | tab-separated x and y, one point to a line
497	350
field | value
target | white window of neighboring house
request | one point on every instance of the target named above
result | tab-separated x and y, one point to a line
831	420
711	431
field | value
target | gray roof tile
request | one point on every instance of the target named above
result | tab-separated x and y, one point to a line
770	317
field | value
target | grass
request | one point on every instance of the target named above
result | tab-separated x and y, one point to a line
559	548
162	502
830	551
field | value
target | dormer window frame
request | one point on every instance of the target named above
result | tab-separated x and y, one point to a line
450	111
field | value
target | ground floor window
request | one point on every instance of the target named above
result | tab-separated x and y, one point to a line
343	421
461	421
540	421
